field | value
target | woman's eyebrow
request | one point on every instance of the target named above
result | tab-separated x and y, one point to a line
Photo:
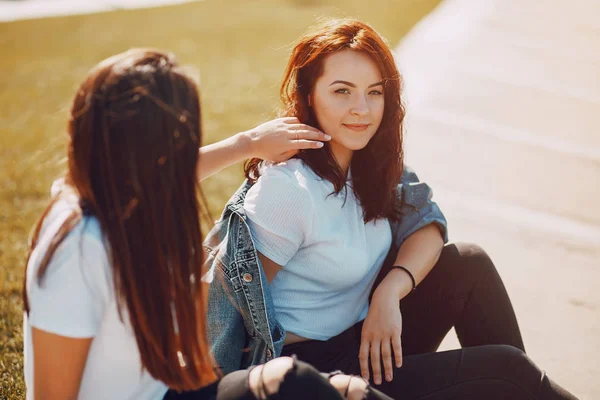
353	85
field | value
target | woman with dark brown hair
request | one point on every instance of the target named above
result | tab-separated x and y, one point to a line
114	297
319	228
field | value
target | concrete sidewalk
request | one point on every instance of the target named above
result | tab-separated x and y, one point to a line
503	121
12	10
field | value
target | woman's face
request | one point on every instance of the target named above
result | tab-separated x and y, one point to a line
348	102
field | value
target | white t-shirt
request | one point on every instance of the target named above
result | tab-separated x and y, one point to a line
76	299
330	257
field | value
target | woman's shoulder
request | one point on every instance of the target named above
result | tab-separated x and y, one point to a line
70	297
286	184
293	172
66	203
82	246
87	231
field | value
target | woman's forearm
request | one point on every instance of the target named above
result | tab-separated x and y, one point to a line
58	364
419	253
214	157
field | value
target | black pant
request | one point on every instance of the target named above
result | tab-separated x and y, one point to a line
301	382
463	291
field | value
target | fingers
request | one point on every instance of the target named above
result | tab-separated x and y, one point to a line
386	355
309	134
363	358
298	126
306	144
376	362
397	345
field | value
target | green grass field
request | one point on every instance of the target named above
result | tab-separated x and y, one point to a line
239	47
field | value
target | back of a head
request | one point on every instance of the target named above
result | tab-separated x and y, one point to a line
134	135
134	129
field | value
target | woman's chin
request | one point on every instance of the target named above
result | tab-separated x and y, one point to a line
355	146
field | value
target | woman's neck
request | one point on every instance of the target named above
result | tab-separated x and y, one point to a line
342	155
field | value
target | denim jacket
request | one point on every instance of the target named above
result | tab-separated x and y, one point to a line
242	327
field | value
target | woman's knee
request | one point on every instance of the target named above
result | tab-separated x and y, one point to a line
268	377
503	362
468	257
290	379
473	253
351	387
507	356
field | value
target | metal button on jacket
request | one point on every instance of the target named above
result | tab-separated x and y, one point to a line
247	277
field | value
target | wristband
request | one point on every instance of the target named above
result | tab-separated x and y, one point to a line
412	278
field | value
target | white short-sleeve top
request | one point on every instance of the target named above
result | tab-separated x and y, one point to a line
329	256
76	299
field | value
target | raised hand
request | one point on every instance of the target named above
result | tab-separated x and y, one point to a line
279	139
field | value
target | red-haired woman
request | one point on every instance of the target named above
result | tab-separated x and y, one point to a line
113	291
324	222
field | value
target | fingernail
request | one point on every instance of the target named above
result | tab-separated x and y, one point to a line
327	137
320	144
378	381
388	378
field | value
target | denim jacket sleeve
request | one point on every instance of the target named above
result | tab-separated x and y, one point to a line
226	331
416	208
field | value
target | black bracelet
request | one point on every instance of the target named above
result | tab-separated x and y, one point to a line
412	278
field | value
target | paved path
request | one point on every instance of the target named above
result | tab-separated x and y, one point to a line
504	122
11	10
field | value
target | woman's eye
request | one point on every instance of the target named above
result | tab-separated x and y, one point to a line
343	91
376	92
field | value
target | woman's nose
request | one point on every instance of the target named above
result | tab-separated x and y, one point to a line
360	108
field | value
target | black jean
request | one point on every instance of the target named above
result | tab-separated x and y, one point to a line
463	291
301	382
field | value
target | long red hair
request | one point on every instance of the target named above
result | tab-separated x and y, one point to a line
134	133
377	168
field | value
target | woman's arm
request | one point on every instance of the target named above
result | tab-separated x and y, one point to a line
419	253
58	364
276	140
270	268
382	329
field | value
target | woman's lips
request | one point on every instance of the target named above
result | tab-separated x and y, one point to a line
357	127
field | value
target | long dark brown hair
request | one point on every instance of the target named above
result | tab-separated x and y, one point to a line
377	168
134	132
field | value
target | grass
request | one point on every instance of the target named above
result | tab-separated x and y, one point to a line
239	47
